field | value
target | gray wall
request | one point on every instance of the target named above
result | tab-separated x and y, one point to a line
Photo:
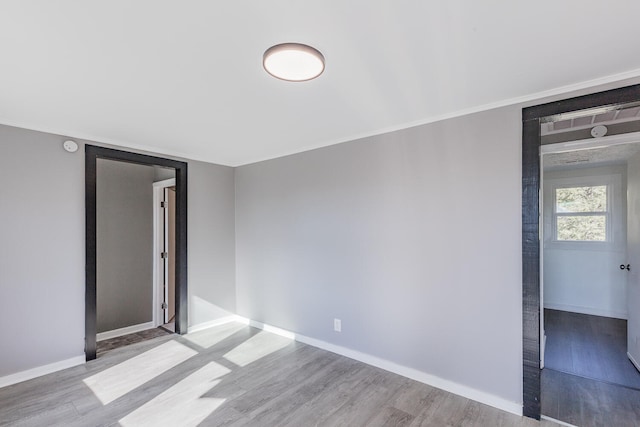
211	244
124	205
412	238
42	255
42	250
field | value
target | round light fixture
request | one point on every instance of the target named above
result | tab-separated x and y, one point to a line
293	62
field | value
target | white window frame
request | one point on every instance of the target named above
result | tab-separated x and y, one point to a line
606	213
613	213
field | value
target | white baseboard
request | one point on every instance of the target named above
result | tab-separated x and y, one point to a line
19	377
636	364
553	420
216	322
414	374
124	331
587	310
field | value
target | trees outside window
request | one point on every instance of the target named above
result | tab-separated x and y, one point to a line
581	213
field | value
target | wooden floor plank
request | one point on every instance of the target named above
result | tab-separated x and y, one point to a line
293	385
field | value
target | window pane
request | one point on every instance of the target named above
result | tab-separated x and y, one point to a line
582	228
582	199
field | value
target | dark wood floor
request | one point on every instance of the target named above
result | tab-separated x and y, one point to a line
589	346
588	403
234	375
125	340
585	361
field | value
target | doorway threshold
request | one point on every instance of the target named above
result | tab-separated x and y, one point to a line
125	340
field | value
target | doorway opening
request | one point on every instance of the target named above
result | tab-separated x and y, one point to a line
609	102
94	154
589	233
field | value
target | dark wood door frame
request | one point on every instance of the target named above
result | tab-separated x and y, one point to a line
532	117
92	154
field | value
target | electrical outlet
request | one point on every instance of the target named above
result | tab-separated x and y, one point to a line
337	325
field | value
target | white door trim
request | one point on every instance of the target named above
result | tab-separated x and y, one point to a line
543	337
158	246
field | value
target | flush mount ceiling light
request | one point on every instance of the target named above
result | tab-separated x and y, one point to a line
293	62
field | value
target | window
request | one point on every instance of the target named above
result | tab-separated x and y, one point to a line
584	209
581	214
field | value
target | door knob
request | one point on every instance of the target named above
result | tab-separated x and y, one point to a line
625	267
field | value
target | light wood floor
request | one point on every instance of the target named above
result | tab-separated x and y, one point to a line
235	375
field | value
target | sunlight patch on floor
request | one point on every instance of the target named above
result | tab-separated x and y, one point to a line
182	404
209	337
256	347
115	382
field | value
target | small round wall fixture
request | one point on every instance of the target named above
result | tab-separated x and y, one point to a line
70	146
599	131
293	62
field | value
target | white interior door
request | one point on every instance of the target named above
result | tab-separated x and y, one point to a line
171	259
633	253
165	257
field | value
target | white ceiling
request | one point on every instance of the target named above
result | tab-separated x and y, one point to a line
185	77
